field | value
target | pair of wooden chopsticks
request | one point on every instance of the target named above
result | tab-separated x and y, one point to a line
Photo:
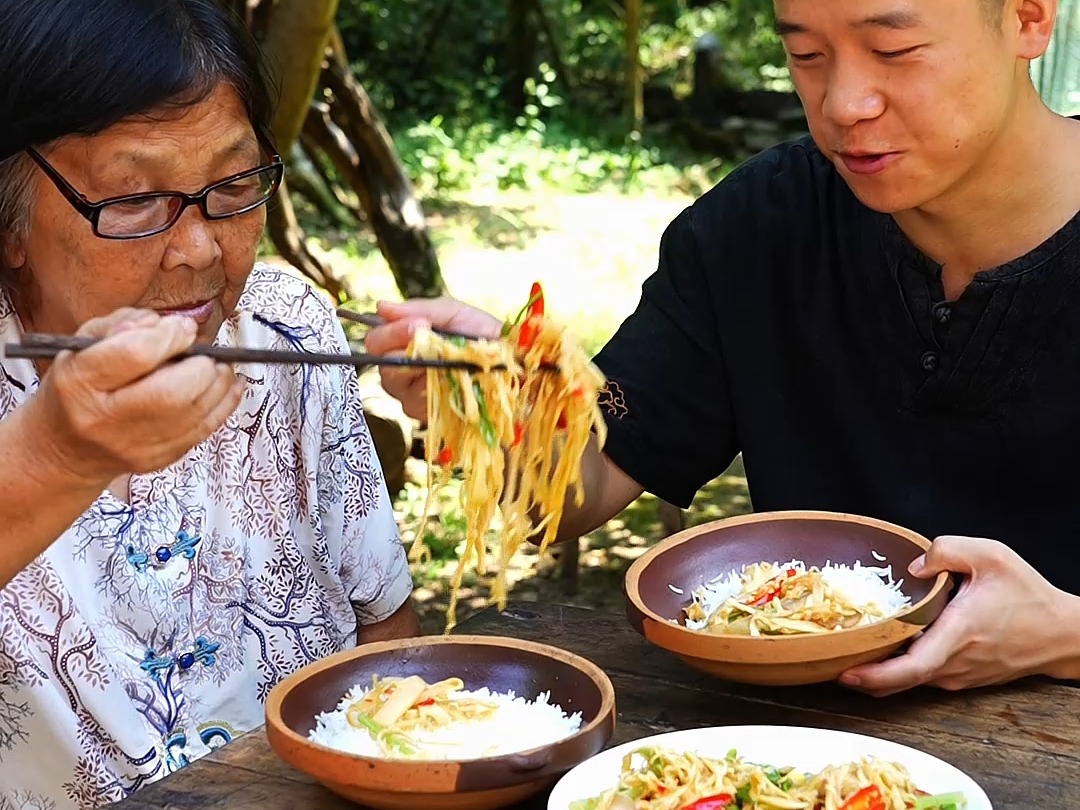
48	346
36	345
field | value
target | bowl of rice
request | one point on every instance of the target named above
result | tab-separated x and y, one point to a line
441	722
783	598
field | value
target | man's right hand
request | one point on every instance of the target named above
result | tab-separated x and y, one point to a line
121	407
409	385
608	490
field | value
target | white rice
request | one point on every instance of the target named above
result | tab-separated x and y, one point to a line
860	584
517	725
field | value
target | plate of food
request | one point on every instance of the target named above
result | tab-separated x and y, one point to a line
783	598
766	768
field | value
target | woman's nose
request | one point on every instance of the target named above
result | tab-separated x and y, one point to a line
192	242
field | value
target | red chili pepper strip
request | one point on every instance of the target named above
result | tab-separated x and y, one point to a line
518	429
529	330
446	455
771	589
536	299
869	798
719	802
766	595
534	314
428	702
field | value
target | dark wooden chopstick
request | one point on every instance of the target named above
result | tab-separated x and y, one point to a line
36	346
371	319
43	346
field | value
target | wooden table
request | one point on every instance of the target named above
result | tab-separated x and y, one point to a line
1022	743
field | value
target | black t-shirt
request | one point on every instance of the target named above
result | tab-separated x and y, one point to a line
790	322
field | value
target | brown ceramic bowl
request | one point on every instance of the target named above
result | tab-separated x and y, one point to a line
698	555
500	664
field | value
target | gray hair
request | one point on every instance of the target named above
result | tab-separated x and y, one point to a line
15	208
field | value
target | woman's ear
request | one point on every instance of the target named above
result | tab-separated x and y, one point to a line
12	251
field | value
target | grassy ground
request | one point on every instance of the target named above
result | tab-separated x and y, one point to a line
591	253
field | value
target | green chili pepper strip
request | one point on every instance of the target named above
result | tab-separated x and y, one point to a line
395	741
941	801
487	429
457	402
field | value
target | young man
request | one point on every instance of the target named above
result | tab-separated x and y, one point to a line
884	319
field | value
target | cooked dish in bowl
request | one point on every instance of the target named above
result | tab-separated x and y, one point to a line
408	718
768	599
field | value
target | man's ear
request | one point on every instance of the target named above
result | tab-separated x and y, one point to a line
1032	22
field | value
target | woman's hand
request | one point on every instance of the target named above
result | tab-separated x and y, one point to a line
1006	622
120	407
408	385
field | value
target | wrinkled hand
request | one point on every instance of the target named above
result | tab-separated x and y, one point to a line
1004	623
409	386
121	407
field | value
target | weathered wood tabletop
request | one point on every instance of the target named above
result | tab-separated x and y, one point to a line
1021	743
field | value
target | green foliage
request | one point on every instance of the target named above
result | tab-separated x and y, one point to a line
444	532
456	155
437	70
417	61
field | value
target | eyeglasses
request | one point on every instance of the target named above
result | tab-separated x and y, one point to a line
135	216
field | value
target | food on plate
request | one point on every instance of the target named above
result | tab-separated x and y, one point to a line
658	779
408	718
517	434
770	599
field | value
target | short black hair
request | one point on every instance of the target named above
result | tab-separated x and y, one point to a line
993	10
79	66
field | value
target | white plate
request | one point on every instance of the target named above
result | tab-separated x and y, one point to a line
809	749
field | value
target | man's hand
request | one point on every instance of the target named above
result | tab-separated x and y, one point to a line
409	385
1006	622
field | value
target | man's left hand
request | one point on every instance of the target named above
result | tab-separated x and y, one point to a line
1006	622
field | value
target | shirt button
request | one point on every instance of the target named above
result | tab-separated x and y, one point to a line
942	312
929	361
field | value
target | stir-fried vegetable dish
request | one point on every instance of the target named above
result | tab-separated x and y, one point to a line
656	779
787	600
517	435
395	707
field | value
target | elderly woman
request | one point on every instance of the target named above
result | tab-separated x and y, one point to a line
175	536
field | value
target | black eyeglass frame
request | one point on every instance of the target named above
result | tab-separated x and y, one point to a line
91	211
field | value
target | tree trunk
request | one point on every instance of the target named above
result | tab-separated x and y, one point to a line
385	191
309	184
635	103
288	239
520	53
305	53
311	154
294	44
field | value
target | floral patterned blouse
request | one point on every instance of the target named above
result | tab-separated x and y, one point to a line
152	632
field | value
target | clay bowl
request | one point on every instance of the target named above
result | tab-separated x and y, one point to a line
698	555
501	665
